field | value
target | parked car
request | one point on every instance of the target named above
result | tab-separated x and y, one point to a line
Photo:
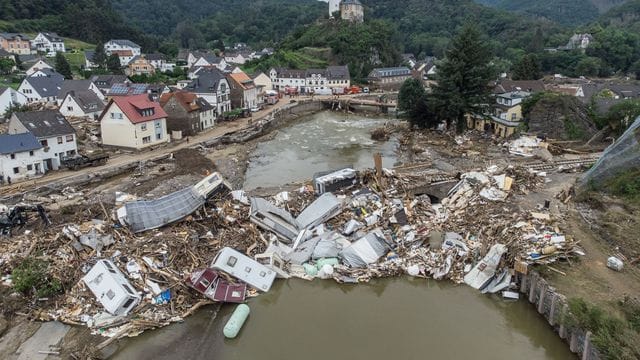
254	109
365	90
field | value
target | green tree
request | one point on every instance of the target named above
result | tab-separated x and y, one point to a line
463	77
6	66
414	103
219	44
635	68
589	66
99	56
617	48
62	66
623	114
113	64
528	68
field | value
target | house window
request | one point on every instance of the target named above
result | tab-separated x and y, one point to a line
29	167
16	170
513	116
111	294
31	153
146	139
158	136
205	283
247	269
59	139
158	125
69	108
13	156
44	143
69	138
143	127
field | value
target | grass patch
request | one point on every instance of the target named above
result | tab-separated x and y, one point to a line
614	338
75	44
32	277
626	185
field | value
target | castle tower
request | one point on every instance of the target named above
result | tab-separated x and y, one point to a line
334	5
352	10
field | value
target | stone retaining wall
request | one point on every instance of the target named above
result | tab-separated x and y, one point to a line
552	306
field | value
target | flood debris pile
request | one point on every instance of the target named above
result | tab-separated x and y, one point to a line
148	263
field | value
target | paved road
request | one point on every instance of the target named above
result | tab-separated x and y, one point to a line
134	157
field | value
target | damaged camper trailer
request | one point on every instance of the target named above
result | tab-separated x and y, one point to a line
151	214
209	283
111	288
272	218
331	181
244	268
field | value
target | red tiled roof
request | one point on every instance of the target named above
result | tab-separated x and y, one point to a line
132	107
185	99
243	79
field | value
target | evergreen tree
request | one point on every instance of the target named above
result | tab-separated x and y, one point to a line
113	64
463	77
62	66
528	68
537	42
413	101
99	56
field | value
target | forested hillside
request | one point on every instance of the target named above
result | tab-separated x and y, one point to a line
88	20
625	17
427	26
250	21
566	12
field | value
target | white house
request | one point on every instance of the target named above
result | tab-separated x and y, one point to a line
111	288
317	80
212	85
42	89
159	62
81	104
49	43
134	122
262	81
122	45
9	98
21	155
209	59
78	86
282	78
35	68
52	131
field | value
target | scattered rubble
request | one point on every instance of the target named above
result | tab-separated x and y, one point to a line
121	278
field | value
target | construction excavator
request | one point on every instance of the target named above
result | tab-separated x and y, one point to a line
18	216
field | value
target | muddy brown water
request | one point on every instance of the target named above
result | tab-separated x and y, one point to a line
399	318
319	142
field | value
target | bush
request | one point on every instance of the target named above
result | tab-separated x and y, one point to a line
613	338
626	185
32	277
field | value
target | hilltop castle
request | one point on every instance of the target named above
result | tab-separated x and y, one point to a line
351	10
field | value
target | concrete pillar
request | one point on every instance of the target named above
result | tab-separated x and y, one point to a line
587	346
563	328
523	283
532	289
573	343
552	312
543	292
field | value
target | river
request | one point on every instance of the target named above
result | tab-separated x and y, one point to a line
323	141
400	318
